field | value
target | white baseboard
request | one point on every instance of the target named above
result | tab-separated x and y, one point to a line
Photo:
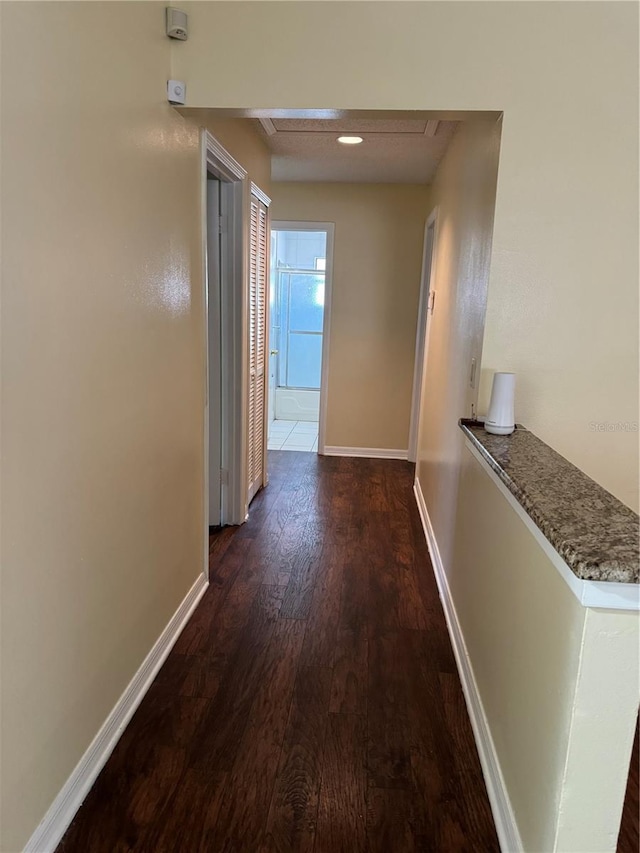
365	452
62	811
506	826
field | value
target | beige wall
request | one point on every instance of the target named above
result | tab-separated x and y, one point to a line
558	681
102	346
563	304
376	281
102	378
464	194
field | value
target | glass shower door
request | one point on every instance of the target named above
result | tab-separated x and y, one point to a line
301	303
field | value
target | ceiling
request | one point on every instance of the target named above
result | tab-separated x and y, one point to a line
400	150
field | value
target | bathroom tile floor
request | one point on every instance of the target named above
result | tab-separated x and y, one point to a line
293	435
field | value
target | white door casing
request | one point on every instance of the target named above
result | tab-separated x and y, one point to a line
329	229
214	348
273	342
425	308
218	163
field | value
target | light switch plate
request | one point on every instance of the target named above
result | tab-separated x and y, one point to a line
176	92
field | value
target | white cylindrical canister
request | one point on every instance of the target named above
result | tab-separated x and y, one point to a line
500	418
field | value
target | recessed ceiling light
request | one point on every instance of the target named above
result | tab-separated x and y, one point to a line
350	140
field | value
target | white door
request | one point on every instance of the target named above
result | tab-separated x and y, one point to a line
215	351
258	268
425	308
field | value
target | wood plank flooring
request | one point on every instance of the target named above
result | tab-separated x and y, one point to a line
629	838
312	703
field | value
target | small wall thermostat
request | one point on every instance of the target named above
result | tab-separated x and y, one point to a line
176	24
176	92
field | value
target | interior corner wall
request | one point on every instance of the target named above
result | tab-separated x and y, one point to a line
102	378
378	240
464	194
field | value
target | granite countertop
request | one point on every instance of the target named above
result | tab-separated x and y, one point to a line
594	533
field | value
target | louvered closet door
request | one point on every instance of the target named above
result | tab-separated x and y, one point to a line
258	271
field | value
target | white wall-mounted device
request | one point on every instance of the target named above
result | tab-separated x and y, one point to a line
176	24
176	91
500	419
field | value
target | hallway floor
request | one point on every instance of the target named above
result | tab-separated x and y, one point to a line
312	702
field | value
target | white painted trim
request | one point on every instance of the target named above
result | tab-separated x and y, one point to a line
329	229
218	161
204	242
260	195
326	339
299	225
423	327
365	452
63	809
221	161
268	125
604	594
506	826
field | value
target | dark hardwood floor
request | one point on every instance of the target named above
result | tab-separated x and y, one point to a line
312	703
629	838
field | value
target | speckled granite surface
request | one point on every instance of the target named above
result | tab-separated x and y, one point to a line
595	534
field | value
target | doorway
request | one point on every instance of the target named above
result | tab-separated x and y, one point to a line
216	251
299	291
222	199
425	309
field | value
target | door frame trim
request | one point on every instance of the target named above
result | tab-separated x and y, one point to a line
214	158
329	228
260	194
423	326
